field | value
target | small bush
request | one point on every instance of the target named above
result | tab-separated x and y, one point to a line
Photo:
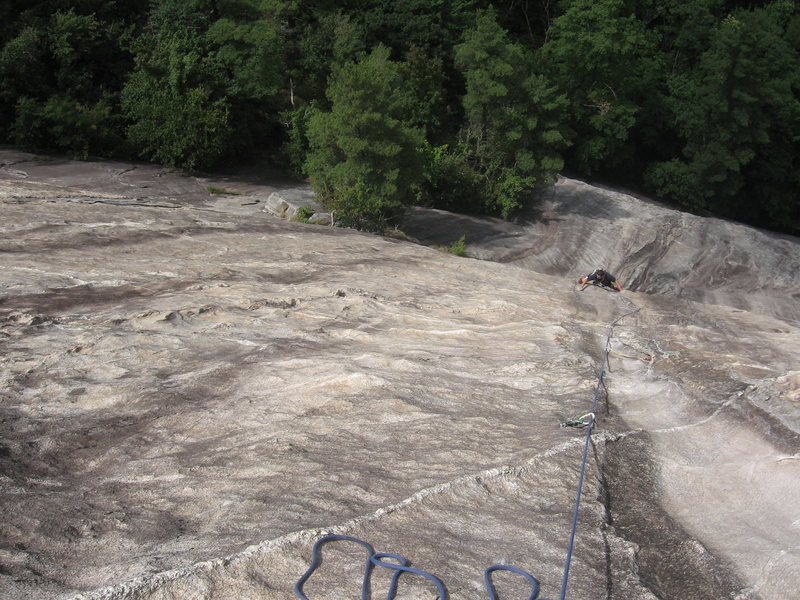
459	247
304	213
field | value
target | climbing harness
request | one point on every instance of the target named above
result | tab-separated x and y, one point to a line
401	565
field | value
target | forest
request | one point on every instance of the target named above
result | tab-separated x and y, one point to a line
463	105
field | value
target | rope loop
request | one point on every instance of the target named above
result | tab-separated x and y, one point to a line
400	565
487	580
316	561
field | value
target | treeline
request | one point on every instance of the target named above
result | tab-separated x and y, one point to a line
455	104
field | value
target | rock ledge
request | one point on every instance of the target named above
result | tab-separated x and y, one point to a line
287	204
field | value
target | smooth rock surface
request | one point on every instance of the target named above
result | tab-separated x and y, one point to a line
574	228
194	391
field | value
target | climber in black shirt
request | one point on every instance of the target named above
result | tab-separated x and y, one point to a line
602	278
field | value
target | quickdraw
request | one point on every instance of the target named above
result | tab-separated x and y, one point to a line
582	421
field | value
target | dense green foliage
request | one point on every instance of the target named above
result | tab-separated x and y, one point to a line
511	136
363	157
454	104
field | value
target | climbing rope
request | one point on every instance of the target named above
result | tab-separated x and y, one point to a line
401	565
373	559
379	559
589	429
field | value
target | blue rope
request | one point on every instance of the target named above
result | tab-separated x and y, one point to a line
403	566
589	429
316	561
571	545
379	559
487	580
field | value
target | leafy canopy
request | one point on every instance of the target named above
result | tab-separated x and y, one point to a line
363	159
511	137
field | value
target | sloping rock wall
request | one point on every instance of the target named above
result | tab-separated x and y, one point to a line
572	228
194	391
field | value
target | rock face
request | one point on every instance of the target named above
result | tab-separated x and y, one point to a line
574	228
194	391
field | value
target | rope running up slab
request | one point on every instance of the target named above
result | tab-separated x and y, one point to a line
401	565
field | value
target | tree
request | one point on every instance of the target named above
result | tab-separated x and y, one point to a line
511	137
60	80
419	34
327	40
738	113
363	159
246	58
175	119
206	80
605	61
434	26
22	73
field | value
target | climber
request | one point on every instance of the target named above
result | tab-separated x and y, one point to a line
602	278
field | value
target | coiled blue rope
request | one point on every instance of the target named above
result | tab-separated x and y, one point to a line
379	559
403	566
373	559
